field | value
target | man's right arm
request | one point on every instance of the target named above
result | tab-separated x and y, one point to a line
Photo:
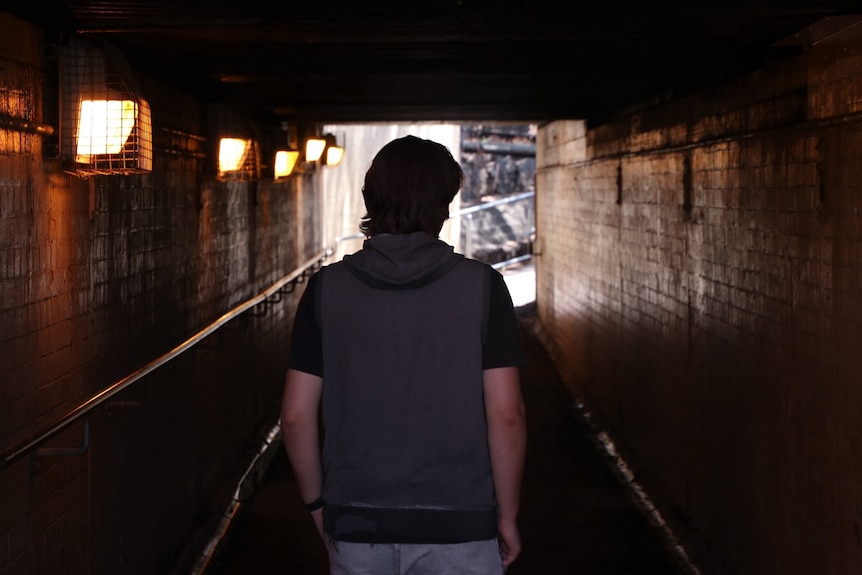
507	441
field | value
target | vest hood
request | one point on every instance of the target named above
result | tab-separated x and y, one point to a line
399	261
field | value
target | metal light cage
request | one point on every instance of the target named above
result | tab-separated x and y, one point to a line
105	125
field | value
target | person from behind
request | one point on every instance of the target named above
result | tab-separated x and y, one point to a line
411	352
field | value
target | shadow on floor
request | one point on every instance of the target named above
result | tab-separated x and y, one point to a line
575	518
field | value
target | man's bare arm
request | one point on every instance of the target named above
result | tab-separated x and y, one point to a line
299	433
507	440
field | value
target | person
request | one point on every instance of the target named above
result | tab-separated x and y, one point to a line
412	354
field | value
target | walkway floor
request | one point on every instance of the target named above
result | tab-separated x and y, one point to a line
575	518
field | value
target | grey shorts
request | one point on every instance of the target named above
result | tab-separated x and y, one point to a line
473	558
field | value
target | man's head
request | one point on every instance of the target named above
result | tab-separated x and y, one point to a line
409	186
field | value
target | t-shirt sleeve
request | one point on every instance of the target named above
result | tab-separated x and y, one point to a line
502	346
306	342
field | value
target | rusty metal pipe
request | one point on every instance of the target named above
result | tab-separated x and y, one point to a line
21	125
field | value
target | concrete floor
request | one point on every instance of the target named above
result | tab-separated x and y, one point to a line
575	518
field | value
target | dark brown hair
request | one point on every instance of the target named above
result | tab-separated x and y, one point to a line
409	186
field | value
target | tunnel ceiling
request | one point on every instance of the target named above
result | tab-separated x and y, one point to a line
450	60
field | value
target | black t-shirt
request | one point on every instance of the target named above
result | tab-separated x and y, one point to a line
502	346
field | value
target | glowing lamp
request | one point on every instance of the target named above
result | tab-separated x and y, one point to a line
231	154
314	149
334	154
285	161
104	127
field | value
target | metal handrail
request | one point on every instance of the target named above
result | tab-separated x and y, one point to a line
31	442
492	203
512	261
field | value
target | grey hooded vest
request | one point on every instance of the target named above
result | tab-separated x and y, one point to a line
405	451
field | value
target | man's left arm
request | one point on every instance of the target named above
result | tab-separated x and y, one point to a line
299	433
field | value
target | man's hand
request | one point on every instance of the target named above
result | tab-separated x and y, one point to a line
510	542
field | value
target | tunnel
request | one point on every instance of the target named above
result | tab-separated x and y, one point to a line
694	328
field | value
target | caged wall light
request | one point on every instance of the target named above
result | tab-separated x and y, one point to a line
105	127
238	159
314	148
286	158
285	162
334	152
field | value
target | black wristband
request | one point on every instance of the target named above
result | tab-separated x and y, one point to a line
314	505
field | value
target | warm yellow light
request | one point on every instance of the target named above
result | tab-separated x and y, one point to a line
103	127
334	154
285	161
231	154
314	149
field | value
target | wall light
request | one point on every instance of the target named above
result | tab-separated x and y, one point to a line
285	162
334	155
287	157
106	127
314	148
237	159
231	154
334	152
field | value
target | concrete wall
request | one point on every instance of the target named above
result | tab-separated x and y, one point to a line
99	276
701	272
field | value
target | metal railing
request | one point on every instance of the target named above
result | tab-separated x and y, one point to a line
468	214
34	440
492	204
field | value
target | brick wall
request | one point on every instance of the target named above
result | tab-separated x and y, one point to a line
99	276
701	274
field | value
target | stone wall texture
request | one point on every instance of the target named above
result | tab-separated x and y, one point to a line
100	276
700	271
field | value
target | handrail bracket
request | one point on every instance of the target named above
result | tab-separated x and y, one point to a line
62	451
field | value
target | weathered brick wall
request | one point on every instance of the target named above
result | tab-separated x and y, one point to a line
99	277
701	272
